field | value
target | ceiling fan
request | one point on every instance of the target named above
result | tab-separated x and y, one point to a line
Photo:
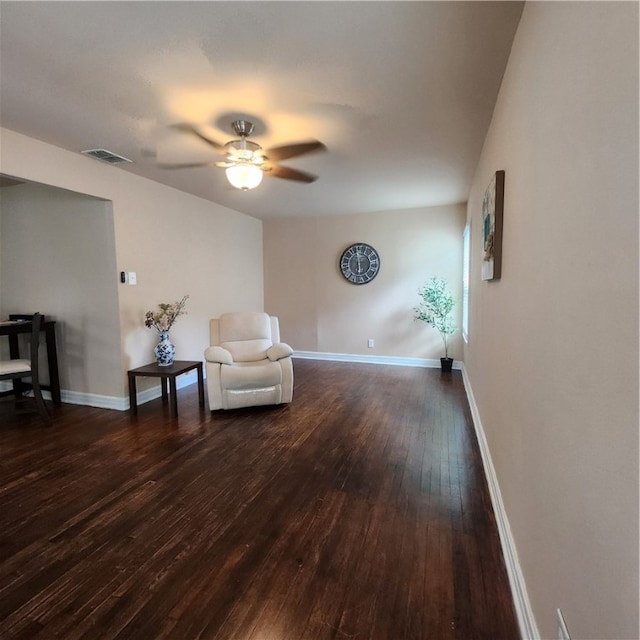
246	162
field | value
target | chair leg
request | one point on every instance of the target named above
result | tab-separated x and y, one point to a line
40	403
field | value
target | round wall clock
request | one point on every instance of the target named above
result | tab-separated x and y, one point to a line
360	263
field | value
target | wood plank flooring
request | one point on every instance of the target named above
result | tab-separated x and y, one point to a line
360	511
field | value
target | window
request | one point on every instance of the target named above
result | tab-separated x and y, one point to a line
466	245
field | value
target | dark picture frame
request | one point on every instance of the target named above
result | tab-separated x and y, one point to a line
492	224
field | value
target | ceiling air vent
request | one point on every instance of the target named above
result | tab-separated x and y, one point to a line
105	156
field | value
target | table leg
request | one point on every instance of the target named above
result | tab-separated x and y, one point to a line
133	397
163	384
173	397
200	385
52	359
14	354
14	346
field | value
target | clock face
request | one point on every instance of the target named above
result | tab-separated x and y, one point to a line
360	263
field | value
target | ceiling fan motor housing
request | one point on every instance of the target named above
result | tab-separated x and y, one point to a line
242	127
243	150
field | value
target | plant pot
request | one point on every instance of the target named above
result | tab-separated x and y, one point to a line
446	364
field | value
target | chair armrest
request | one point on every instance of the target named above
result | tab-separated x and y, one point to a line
278	351
218	354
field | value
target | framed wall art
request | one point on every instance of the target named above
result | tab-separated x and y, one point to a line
492	215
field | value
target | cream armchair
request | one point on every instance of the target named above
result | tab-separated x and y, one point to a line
246	364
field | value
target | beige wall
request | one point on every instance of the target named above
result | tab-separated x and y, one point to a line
320	311
52	263
176	243
553	350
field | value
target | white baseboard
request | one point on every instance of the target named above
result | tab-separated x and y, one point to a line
121	403
91	400
118	403
526	619
428	363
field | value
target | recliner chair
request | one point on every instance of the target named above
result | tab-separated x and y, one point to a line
246	364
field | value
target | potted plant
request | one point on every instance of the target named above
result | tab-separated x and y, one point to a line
435	309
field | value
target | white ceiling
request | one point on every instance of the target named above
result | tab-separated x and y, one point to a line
401	93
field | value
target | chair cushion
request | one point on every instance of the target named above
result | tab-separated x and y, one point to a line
250	375
246	335
244	325
247	350
14	366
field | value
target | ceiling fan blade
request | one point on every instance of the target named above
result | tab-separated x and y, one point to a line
293	150
286	173
189	165
188	128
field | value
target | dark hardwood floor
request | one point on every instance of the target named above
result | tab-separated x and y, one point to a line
360	511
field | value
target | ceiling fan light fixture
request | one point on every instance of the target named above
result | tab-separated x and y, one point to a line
244	176
246	162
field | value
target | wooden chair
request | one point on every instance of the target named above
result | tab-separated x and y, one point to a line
28	368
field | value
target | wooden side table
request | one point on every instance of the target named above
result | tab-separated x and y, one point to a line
165	374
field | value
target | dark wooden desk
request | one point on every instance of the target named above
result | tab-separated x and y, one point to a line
13	328
169	373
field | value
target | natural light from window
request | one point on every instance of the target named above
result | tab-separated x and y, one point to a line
465	281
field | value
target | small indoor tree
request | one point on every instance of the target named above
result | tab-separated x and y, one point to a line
435	309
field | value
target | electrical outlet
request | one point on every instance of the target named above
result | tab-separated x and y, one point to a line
563	632
371	343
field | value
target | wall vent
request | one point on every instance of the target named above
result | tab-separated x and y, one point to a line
105	156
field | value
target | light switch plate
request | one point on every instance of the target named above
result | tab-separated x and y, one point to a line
133	278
